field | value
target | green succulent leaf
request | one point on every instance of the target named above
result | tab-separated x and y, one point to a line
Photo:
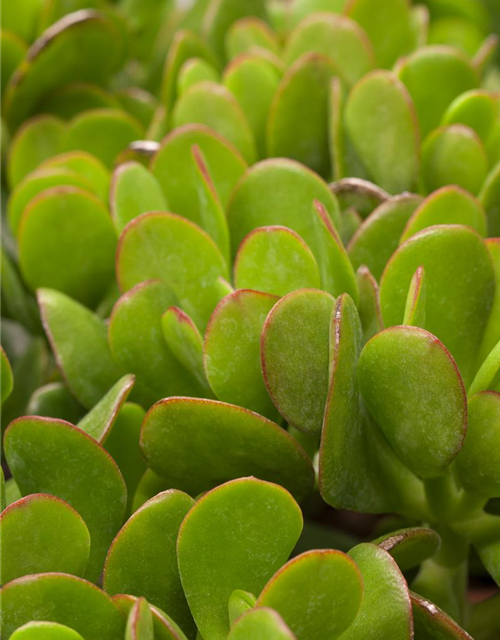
81	46
45	631
415	309
163	626
163	245
475	109
90	370
434	77
213	105
275	260
457	308
13	50
59	597
295	341
357	468
378	237
140	622
137	343
195	444
99	421
193	71
38	139
369	303
182	185
385	610
235	537
490	197
297	127
317	594
359	194
239	603
382	127
413	389
87	166
259	623
134	191
410	547
52	456
6	377
142	559
478	463
31	541
72	99
491	335
249	33
454	155
232	350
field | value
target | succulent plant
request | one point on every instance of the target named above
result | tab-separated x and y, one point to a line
250	286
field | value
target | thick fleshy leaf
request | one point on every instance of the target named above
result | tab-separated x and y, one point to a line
193	71
196	444
221	15
38	139
239	603
490	198
100	419
235	537
282	192
318	594
53	456
142	559
164	627
410	547
298	119
54	400
388	26
475	109
385	609
435	76
79	342
72	99
448	205
415	308
214	106
433	624
232	350
336	37
378	237
59	597
45	631
484	621
67	242
137	344
35	183
295	357
454	155
102	133
176	251
140	622
42	533
88	167
356	193
382	127
186	343
357	468
491	336
444	251
369	303
178	175
134	191
81	46
13	49
483	531
275	260
260	623
413	389
478	463
247	33
6	378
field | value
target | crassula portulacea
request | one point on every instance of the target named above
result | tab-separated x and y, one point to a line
250	375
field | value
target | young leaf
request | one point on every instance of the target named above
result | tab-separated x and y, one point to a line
6	377
416	300
53	456
475	109
142	559
275	260
381	124
64	599
246	34
232	350
31	541
196	444
413	389
134	191
235	537
369	304
176	251
140	622
80	346
295	357
45	631
259	623
239	603
163	626
318	594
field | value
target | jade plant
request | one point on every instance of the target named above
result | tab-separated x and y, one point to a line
250	295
